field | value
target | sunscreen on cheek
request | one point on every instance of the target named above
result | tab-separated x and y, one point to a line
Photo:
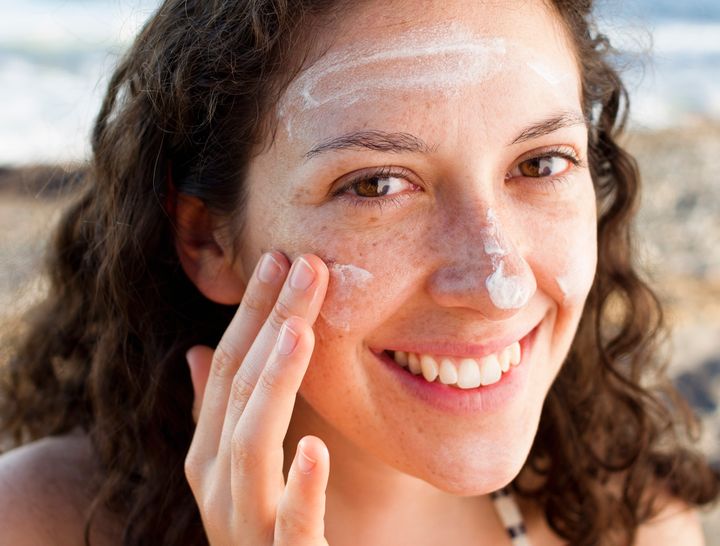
345	282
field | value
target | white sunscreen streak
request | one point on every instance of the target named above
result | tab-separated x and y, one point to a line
346	277
564	285
547	73
351	274
441	58
506	292
492	245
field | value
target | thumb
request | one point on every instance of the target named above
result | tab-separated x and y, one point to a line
300	518
199	359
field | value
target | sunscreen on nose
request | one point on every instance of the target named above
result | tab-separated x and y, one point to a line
505	291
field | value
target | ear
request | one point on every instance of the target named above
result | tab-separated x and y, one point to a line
204	257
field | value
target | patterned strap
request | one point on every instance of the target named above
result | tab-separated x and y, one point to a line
510	515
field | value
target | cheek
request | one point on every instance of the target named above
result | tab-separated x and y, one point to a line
566	257
576	273
371	271
344	302
368	280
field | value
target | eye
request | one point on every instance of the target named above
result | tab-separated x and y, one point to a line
376	188
548	164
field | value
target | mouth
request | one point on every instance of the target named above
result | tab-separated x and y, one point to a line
460	372
463	385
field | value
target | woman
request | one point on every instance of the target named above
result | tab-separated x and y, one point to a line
419	216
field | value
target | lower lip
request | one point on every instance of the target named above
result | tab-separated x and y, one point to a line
463	402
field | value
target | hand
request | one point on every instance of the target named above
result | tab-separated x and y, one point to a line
247	387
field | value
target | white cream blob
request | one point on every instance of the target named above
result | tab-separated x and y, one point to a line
508	291
345	279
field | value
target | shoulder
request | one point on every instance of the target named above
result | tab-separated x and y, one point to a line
675	522
45	491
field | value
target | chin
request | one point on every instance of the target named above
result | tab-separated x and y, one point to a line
469	471
473	485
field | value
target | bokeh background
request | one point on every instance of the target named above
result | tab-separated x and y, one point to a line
56	57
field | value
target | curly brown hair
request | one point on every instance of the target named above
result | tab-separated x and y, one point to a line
190	102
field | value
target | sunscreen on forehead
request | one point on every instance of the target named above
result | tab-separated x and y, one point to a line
441	58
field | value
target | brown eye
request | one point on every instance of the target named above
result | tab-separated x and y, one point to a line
377	186
538	167
542	166
372	187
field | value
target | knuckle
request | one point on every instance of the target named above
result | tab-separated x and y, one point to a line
280	313
254	305
192	468
244	459
223	363
291	524
240	390
269	381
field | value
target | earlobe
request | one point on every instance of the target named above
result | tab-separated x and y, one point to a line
207	262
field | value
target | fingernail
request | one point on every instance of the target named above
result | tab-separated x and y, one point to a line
286	340
302	275
305	463
269	269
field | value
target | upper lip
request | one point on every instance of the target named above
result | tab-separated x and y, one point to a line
461	349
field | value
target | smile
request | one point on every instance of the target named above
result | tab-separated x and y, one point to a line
462	373
471	380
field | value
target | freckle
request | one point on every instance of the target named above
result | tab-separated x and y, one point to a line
300	193
373	219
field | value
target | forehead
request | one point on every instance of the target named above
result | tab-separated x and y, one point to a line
386	59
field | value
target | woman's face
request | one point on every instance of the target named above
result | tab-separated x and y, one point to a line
435	158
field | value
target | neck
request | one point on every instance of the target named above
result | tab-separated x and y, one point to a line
370	502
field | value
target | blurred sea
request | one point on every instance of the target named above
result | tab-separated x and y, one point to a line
56	57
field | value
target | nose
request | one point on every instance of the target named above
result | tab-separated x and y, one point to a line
482	269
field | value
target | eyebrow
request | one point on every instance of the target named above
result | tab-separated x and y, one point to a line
379	141
382	141
550	125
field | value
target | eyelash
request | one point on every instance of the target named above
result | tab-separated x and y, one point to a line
547	182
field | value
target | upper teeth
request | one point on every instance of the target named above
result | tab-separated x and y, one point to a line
465	373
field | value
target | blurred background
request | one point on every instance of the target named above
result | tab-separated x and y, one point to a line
56	57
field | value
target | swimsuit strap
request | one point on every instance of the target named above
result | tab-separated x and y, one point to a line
510	515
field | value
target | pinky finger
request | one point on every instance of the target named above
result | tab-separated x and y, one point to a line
300	518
